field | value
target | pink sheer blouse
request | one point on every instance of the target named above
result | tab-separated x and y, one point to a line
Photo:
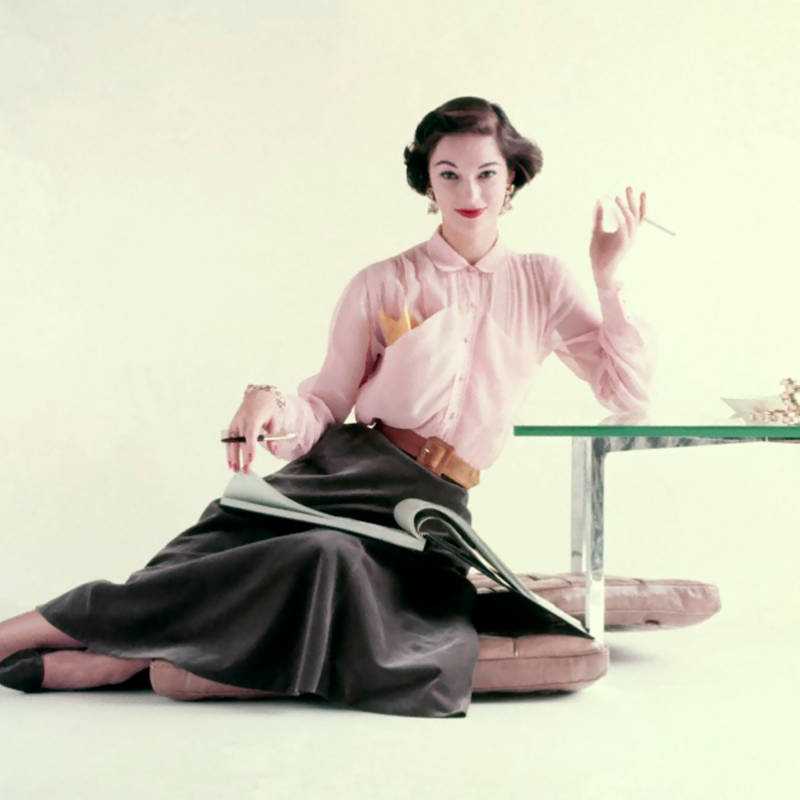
463	346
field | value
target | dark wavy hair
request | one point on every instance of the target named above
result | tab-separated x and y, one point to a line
470	115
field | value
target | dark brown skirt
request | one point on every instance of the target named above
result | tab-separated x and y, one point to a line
273	604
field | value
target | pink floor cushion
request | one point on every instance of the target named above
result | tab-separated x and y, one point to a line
631	603
539	662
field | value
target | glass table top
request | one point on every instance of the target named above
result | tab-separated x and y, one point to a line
696	426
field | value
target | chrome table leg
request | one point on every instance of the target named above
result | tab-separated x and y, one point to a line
588	455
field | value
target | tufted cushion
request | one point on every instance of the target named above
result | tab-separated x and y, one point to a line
631	603
529	663
541	662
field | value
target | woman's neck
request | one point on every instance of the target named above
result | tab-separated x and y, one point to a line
471	247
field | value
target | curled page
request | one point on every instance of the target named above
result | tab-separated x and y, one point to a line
248	492
412	514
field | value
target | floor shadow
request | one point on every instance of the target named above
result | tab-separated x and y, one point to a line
620	654
497	698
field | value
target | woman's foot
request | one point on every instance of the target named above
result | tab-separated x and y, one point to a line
32	656
45	669
23	670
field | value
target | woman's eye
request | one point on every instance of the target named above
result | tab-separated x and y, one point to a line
487	173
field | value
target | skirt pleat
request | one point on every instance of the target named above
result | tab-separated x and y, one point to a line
274	604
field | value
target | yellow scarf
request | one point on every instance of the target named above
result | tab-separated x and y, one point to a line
393	329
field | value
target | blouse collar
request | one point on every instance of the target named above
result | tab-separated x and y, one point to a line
447	259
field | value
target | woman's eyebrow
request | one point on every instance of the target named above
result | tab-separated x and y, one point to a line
487	164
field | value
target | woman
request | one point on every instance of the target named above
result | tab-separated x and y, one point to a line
436	348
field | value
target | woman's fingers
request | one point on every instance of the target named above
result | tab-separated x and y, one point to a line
249	447
266	430
625	224
629	212
625	209
232	448
255	413
640	211
631	201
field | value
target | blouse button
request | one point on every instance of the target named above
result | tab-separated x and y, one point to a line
452	414
466	339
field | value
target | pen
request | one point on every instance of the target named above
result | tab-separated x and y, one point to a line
262	437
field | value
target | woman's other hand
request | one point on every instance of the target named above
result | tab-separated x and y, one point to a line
608	249
255	415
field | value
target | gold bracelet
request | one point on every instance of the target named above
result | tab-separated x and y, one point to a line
268	388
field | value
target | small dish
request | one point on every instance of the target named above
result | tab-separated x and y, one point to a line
744	406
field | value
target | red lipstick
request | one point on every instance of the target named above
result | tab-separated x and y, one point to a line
470	213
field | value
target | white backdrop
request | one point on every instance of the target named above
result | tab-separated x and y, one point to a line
187	186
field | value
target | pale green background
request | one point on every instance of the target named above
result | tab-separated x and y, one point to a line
186	187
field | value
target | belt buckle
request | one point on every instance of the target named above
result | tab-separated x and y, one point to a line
435	454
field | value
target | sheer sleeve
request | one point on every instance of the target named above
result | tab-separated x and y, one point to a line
613	352
328	397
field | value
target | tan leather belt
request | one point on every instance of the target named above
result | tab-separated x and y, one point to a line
432	453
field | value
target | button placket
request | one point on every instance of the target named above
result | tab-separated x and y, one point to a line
457	398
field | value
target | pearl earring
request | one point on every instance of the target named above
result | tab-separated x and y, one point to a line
507	199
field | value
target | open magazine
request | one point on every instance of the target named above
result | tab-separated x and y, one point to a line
249	492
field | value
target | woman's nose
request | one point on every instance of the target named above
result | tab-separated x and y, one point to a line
473	191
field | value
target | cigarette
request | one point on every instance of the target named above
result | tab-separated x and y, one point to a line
660	227
644	219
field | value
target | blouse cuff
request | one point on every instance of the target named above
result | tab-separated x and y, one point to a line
612	307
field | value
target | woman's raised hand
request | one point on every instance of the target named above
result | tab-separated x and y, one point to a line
608	249
255	415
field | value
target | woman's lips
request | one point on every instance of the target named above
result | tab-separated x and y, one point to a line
470	212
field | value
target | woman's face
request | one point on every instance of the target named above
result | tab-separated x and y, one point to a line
468	171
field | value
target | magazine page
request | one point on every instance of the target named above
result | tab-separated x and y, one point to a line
251	493
253	489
